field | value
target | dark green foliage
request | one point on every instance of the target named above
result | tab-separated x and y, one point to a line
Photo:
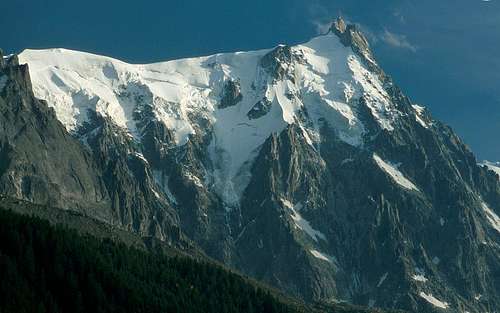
54	269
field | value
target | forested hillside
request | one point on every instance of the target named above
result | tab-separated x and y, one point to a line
54	269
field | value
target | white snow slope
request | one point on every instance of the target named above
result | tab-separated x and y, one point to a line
328	83
491	216
435	302
393	171
492	166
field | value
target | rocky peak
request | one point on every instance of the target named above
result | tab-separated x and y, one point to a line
305	153
8	60
275	62
351	36
14	78
231	94
279	62
338	26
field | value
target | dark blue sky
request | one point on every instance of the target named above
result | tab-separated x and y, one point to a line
445	54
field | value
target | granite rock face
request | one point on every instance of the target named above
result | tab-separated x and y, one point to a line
40	161
231	95
330	185
95	172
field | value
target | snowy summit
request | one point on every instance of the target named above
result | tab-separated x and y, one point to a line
244	96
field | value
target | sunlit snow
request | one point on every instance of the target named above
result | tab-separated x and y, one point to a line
432	300
321	256
492	166
491	216
141	157
394	173
419	113
301	223
157	195
328	82
419	277
195	179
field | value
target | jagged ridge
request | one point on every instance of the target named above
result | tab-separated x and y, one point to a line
303	166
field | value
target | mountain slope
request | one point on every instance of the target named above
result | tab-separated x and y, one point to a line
73	227
44	164
53	269
304	166
33	165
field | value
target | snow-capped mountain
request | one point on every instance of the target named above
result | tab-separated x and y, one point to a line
303	166
242	98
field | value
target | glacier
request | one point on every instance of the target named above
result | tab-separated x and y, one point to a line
329	79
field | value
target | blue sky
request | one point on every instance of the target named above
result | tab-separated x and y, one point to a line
444	54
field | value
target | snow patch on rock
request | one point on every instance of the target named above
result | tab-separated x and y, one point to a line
419	115
141	157
393	171
382	279
492	166
492	217
419	275
195	179
321	256
162	181
374	94
419	278
301	223
432	300
157	195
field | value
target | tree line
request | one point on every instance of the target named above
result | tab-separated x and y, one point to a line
45	268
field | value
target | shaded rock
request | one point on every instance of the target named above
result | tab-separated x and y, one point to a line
231	95
260	109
